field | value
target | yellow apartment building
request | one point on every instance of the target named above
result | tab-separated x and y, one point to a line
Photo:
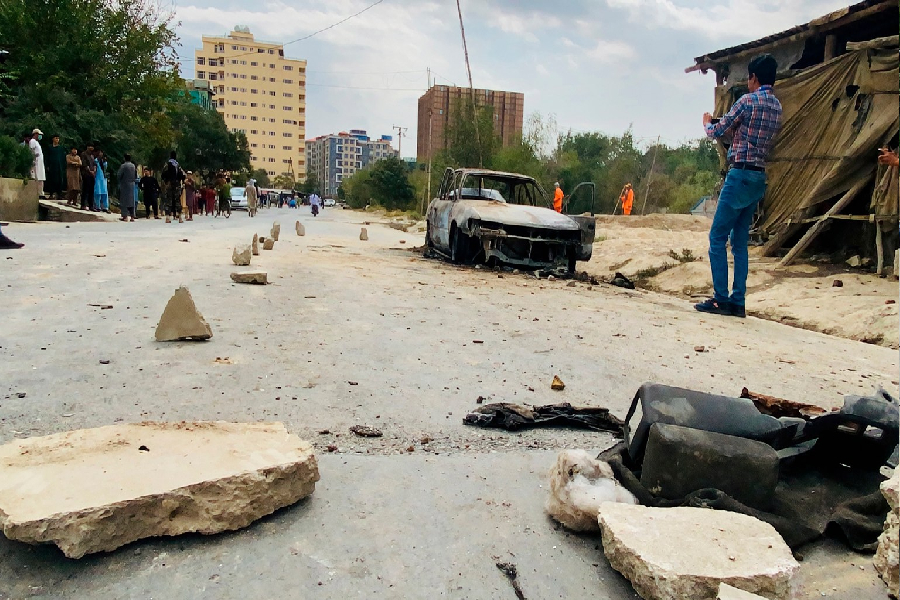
260	93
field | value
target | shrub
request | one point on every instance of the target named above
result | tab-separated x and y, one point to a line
15	159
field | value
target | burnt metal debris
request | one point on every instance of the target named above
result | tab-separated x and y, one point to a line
513	417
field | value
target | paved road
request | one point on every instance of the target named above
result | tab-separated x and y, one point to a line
383	522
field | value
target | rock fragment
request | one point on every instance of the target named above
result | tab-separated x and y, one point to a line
365	431
241	255
727	592
268	244
685	552
363	234
255	245
94	490
181	320
854	261
301	230
276	230
837	283
557	384
257	277
887	557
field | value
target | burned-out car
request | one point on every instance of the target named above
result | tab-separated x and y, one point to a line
482	216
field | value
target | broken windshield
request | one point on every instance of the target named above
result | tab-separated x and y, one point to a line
500	189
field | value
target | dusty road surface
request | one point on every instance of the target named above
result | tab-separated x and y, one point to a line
351	332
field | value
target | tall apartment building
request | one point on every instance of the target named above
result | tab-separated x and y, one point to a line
260	93
335	157
439	102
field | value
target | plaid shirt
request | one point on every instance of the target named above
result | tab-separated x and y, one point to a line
755	117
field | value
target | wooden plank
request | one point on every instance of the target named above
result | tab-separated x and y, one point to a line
819	225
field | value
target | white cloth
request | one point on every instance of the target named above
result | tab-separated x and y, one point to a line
314	200
37	169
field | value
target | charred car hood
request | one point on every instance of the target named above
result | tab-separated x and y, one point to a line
515	214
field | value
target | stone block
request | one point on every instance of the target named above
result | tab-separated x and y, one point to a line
680	460
18	200
276	230
94	490
181	320
257	277
241	255
254	246
301	230
727	592
268	244
887	556
685	552
363	234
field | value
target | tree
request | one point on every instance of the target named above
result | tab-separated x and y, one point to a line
283	182
385	183
203	141
310	185
470	135
261	177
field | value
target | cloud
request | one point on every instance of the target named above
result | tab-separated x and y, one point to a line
611	51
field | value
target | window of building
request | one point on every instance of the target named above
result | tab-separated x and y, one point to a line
260	51
287	81
243	104
213	62
221	102
271	51
271	146
213	77
243	62
270	172
271	160
272	106
252	91
233	75
243	117
253	132
272	133
234	89
201	60
271	65
244	48
234	61
253	105
287	94
286	134
302	69
243	89
234	102
271	92
253	145
301	123
243	76
253	118
286	161
301	96
221	89
234	47
288	68
287	108
201	74
286	148
253	78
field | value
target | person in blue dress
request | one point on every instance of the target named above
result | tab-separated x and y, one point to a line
101	190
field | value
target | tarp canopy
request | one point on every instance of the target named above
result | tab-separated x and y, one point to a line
836	116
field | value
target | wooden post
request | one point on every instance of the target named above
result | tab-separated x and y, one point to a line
879	250
819	225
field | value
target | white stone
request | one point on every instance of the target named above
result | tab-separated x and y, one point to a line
363	234
727	592
241	255
94	490
579	484
181	320
301	230
677	553
887	556
854	261
268	244
255	245
276	230
257	277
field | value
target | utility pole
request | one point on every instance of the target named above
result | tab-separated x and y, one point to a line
401	133
427	197
650	176
462	32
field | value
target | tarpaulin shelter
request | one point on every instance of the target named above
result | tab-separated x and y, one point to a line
838	85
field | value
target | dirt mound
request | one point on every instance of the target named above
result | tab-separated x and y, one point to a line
656	221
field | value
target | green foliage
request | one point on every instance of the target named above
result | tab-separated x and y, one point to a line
686	256
470	134
283	182
385	183
261	177
311	186
203	142
15	159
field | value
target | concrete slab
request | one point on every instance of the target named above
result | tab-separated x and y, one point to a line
94	490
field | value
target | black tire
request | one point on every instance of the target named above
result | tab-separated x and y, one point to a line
429	243
572	262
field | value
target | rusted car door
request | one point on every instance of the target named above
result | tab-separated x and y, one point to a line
439	213
579	206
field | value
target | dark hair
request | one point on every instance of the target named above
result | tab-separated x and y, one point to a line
764	67
172	154
127	158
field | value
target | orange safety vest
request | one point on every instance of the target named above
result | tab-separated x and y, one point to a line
627	201
557	200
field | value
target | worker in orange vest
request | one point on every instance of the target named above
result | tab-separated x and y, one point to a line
557	198
627	199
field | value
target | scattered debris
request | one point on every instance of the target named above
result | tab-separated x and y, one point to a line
241	255
301	230
99	491
479	400
837	283
887	556
353	383
571	284
325	432
699	348
363	234
254	246
257	277
477	341
365	431
102	306
890	301
184	240
223	360
854	261
268	244
779	407
104	361
621	281
425	439
512	575
331	448
276	230
402	242
684	552
181	320
514	417
557	384
578	485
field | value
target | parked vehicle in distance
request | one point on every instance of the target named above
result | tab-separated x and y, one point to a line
238	198
482	216
329	202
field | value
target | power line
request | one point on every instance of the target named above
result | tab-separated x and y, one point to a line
350	87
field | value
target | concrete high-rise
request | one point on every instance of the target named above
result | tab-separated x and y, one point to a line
438	103
260	93
335	157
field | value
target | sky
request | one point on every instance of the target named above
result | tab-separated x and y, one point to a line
593	65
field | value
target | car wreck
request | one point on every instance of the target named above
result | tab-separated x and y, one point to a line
492	217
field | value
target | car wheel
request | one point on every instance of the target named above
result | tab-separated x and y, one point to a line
572	261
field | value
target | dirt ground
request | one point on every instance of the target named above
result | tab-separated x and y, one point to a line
351	332
802	295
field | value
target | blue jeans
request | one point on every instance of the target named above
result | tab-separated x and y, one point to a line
737	202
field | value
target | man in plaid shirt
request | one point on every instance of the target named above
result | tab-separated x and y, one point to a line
753	121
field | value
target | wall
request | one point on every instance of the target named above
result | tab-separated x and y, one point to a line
18	200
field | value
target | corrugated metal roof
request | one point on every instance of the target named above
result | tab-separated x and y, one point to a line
812	26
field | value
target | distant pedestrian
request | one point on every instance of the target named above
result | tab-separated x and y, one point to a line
252	193
627	199
38	173
73	177
557	198
209	197
56	169
314	202
127	175
150	187
173	177
101	189
190	195
88	172
753	122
